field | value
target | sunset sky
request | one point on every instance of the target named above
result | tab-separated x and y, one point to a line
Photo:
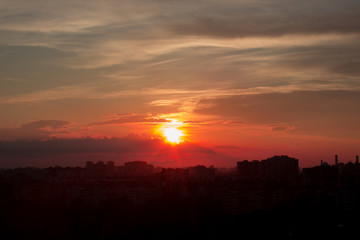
242	79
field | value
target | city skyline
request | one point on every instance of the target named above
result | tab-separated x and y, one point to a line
257	199
178	83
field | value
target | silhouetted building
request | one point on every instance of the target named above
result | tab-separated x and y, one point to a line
324	175
276	166
336	160
138	168
249	169
100	169
89	164
280	166
202	173
174	175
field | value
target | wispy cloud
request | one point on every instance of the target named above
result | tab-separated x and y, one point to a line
188	58
130	119
39	129
316	113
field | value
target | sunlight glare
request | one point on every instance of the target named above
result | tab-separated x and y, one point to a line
173	134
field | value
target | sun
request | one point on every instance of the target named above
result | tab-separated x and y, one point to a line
172	131
173	134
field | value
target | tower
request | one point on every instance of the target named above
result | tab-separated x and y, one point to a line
357	159
336	159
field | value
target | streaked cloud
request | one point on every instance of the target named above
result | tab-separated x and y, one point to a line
76	151
130	119
280	67
332	114
261	18
40	129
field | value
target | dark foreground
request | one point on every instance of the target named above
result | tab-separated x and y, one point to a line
168	218
133	202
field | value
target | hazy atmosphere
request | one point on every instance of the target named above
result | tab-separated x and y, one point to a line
238	80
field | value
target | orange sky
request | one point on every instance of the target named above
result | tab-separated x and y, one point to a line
245	78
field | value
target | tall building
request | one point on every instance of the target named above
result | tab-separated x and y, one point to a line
276	166
280	166
202	172
249	169
138	168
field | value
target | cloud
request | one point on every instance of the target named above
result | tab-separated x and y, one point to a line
74	152
245	19
87	50
278	129
128	144
320	113
39	129
140	56
220	68
130	119
43	124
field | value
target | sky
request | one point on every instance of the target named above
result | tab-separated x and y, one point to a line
241	79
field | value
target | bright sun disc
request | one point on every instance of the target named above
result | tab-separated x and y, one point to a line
173	134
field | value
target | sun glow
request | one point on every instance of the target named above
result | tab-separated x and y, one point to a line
172	131
173	134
